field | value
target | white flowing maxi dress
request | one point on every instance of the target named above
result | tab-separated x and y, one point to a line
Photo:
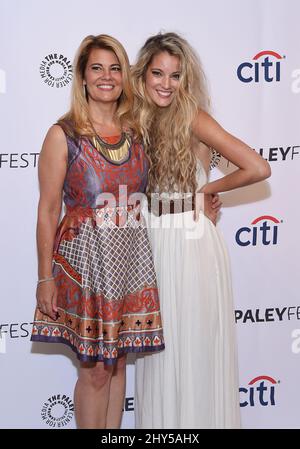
193	383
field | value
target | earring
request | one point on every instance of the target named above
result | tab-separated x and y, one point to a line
84	90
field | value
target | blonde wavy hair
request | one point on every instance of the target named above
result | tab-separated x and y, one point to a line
167	131
77	120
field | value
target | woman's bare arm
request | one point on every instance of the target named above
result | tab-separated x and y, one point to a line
251	166
52	170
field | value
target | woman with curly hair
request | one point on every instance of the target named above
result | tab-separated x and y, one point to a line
194	382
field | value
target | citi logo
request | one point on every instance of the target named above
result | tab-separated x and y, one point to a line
260	391
265	66
264	230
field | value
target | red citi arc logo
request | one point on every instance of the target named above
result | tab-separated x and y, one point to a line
264	230
260	391
265	66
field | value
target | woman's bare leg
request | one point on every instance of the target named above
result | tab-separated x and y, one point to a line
91	395
116	395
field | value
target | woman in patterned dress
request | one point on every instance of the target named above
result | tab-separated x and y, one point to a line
194	382
97	289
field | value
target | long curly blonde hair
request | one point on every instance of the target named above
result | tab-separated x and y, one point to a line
77	120
167	131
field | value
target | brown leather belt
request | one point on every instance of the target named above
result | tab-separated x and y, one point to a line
176	206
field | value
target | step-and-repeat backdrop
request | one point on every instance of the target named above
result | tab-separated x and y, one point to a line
250	52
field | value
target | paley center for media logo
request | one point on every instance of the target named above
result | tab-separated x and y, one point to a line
58	411
56	70
267	315
260	391
265	66
215	158
263	230
279	153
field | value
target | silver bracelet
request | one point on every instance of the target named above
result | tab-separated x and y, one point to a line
45	279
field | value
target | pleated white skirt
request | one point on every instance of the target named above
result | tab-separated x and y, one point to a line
193	383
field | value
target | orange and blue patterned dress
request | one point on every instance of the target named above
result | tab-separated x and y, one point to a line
108	302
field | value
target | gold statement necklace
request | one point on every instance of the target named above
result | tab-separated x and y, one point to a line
114	152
